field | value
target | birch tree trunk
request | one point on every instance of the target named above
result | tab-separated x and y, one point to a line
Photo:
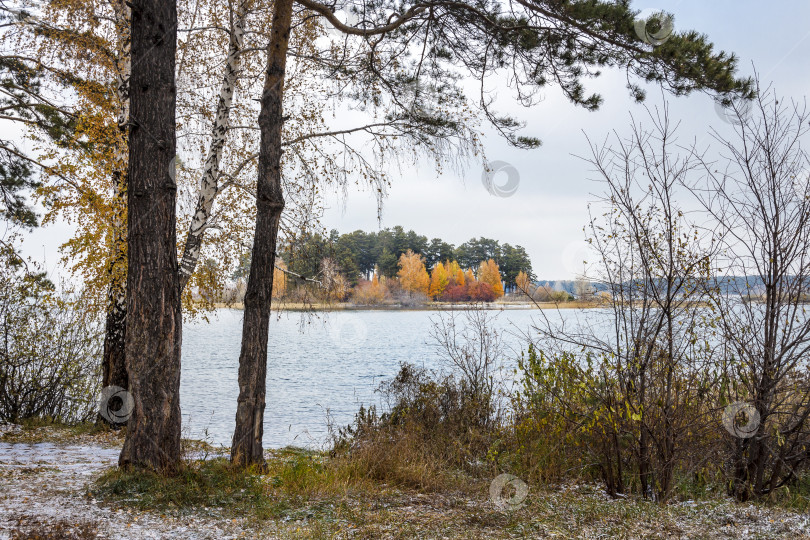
153	335
113	360
209	188
246	448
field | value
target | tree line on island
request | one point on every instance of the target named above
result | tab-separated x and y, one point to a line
392	266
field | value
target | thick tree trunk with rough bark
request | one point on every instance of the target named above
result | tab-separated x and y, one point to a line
113	360
246	448
153	333
209	188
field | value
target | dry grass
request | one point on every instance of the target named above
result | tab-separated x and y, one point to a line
312	495
318	504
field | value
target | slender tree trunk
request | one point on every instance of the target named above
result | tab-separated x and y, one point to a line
209	188
247	437
644	466
153	333
113	361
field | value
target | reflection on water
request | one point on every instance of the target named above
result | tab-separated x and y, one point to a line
324	366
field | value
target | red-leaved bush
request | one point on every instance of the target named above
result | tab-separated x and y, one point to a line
481	292
473	292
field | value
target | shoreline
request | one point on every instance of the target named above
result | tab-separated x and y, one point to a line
433	306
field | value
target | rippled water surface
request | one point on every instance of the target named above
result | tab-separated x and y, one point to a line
326	365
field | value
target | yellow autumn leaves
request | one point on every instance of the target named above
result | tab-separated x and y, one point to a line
414	277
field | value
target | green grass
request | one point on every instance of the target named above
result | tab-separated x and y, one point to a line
295	485
213	484
80	428
35	430
794	497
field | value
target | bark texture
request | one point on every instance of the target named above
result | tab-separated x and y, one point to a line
209	186
153	332
246	448
113	361
114	368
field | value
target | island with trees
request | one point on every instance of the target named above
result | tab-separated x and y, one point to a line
393	267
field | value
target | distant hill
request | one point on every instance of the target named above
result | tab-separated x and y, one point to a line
728	285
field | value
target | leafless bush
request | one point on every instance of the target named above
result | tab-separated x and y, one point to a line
404	297
435	426
371	293
50	350
468	342
650	362
436	423
542	293
759	199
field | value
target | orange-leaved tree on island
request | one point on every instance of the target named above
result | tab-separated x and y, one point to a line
439	279
455	273
523	283
279	279
469	277
370	292
412	273
489	273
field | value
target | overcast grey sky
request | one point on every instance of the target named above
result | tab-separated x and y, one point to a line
547	212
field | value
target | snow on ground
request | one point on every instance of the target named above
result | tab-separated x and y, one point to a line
46	477
46	483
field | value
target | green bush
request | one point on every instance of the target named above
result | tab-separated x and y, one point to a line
550	433
578	416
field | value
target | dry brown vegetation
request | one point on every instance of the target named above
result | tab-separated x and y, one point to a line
313	495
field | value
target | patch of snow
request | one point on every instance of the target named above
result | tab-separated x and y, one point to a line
48	482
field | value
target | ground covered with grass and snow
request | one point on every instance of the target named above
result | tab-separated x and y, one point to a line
58	482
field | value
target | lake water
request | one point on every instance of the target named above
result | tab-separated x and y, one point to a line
319	368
